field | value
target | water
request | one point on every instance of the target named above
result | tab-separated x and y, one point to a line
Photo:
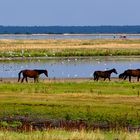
67	36
69	67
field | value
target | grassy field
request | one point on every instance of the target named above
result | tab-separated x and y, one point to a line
65	48
108	103
70	135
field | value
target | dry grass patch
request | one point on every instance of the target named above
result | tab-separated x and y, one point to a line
67	44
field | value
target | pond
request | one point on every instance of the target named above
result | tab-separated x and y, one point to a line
69	67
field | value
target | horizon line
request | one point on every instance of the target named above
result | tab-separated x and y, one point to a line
66	25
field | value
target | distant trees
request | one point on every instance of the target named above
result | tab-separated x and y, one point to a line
68	29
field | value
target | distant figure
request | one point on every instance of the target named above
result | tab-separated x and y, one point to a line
129	73
122	36
103	74
31	74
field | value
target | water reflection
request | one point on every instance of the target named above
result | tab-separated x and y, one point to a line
69	67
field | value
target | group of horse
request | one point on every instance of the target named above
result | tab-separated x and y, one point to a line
97	74
127	73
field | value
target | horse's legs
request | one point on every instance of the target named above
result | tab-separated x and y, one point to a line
35	79
138	78
22	80
95	77
26	79
129	78
125	77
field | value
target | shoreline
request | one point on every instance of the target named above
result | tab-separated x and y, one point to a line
51	80
64	57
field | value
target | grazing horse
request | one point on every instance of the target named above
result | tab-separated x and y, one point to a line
129	73
103	74
31	74
121	76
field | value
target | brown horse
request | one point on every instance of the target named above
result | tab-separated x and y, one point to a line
129	73
31	74
103	74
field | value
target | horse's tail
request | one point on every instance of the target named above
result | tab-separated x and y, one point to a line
95	75
19	74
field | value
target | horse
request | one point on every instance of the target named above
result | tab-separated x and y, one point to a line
104	74
31	74
129	73
121	76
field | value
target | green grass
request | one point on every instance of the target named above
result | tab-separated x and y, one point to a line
70	135
115	103
70	52
96	88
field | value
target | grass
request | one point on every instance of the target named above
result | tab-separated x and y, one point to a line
95	88
70	135
114	103
67	48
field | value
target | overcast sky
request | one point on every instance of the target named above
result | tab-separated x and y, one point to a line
69	12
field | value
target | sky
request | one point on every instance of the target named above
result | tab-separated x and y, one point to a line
69	12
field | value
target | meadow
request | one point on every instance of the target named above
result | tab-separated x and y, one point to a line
69	47
113	104
71	110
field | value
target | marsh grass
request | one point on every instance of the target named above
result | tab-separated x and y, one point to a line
70	52
67	48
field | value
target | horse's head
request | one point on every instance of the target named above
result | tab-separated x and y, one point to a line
114	70
121	76
46	73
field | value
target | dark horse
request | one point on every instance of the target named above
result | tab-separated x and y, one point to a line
31	74
129	73
121	76
103	74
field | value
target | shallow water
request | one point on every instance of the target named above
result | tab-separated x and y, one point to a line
69	67
67	36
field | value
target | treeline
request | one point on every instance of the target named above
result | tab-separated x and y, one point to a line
69	29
